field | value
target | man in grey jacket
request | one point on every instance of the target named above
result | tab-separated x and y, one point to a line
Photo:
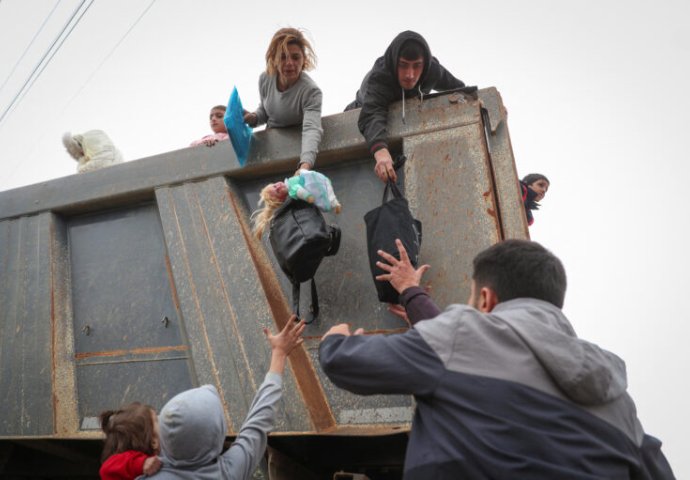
504	387
192	424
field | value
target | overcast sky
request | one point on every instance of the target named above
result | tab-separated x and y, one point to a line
597	94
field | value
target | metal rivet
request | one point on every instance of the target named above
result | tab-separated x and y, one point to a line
86	330
165	321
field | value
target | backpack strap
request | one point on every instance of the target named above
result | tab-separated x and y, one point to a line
313	307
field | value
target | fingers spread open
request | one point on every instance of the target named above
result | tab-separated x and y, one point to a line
403	253
384	266
387	257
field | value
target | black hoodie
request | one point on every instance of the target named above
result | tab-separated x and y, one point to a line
380	88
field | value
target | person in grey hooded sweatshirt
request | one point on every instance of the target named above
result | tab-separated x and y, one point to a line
192	424
504	387
406	69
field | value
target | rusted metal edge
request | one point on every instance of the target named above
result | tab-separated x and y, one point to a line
306	377
492	102
486	143
132	351
136	180
64	395
344	431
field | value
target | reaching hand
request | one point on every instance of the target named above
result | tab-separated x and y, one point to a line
152	465
401	274
384	166
289	337
250	118
342	329
399	311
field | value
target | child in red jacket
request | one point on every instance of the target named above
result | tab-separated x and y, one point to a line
131	442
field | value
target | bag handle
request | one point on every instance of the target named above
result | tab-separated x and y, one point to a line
313	307
390	185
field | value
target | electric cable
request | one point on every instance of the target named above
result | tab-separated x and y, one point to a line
107	57
50	53
26	50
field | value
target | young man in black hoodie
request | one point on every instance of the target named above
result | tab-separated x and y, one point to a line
407	69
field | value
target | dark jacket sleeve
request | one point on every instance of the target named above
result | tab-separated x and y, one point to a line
373	118
418	305
371	364
655	464
444	79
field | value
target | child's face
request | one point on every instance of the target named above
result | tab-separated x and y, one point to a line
156	434
216	121
278	191
541	187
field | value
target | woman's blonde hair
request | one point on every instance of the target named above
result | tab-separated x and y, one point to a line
279	47
262	217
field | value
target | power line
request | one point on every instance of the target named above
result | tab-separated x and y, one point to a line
48	56
40	29
107	57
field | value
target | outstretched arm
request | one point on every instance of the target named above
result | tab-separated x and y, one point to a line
379	364
311	128
244	455
373	121
446	80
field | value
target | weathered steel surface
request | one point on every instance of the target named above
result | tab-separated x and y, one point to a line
450	191
345	286
221	298
25	327
92	265
502	165
64	365
127	334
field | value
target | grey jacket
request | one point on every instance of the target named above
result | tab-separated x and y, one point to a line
509	394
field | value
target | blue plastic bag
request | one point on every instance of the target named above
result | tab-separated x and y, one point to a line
240	133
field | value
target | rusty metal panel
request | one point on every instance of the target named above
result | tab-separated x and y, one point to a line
502	167
223	303
125	319
64	367
450	190
25	327
346	288
219	286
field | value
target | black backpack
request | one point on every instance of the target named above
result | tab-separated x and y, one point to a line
300	239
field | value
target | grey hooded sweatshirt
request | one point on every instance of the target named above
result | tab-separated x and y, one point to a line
192	431
509	394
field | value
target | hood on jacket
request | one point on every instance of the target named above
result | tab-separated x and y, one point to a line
584	372
192	428
392	54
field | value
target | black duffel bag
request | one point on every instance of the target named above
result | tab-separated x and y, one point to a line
391	220
300	239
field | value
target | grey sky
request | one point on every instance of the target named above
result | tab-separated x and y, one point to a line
597	94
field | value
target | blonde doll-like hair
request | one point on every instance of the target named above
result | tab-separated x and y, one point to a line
279	46
262	217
